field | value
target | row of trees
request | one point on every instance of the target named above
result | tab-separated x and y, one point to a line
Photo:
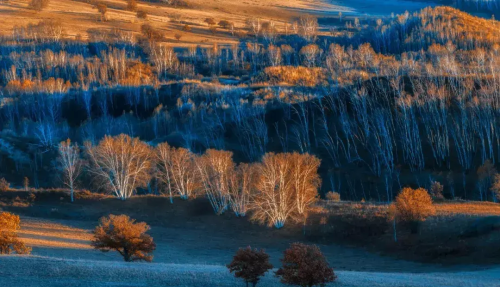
280	187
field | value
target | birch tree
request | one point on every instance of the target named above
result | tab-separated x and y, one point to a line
122	162
70	163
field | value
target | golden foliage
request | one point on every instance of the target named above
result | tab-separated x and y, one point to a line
124	235
301	76
413	205
9	241
122	163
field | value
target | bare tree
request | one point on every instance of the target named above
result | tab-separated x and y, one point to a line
122	162
305	180
177	170
70	163
308	28
274	200
242	187
215	169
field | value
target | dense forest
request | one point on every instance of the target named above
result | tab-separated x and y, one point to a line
406	100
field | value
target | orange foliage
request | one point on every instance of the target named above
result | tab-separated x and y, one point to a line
124	235
9	242
413	205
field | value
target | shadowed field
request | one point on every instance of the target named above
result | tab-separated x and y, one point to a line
43	271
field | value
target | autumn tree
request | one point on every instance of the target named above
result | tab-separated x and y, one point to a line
142	15
177	170
305	265
122	234
70	164
215	169
132	5
151	33
242	187
210	21
305	180
286	186
413	206
308	28
103	9
436	190
122	163
9	241
495	188
250	264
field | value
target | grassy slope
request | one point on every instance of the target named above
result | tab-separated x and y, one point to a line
42	271
78	16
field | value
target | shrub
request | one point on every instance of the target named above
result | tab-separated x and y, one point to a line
225	24
495	188
39	5
413	206
301	76
210	21
151	33
9	241
186	28
4	184
142	15
250	264
437	190
333	196
131	5
122	234
178	37
305	265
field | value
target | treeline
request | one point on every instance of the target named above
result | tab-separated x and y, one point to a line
431	104
280	187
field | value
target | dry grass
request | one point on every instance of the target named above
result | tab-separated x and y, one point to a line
44	233
79	16
468	208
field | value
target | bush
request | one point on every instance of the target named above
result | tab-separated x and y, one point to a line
437	190
4	184
122	234
9	241
333	196
250	265
225	24
131	5
413	206
305	265
39	5
151	33
210	21
142	15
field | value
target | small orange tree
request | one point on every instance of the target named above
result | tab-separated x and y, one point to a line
9	241
413	206
250	264
122	234
305	265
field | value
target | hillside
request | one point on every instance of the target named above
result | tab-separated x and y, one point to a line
81	18
44	271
